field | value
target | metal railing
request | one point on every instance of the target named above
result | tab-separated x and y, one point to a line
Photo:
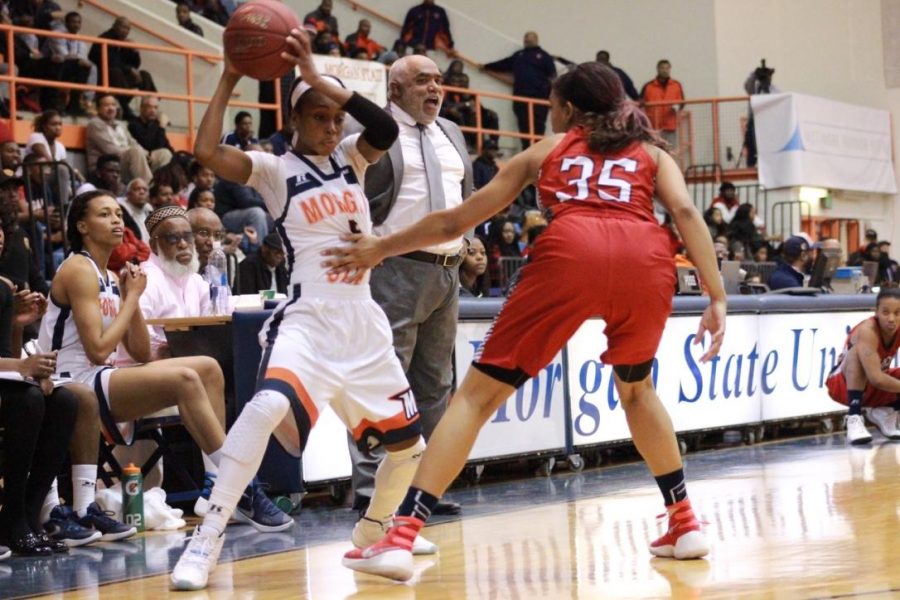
189	55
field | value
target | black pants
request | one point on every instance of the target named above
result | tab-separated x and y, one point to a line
126	78
750	142
540	119
36	435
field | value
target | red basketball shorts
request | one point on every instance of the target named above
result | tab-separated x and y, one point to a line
581	267
872	396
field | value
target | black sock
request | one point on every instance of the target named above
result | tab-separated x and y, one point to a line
418	504
672	487
854	398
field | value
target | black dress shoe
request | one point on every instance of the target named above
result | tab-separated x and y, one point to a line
56	546
28	545
446	508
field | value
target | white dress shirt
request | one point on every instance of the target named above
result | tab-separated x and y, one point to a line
412	198
166	297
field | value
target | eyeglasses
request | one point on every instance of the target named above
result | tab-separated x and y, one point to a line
173	239
205	234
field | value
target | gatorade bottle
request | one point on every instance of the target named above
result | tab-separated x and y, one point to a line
133	497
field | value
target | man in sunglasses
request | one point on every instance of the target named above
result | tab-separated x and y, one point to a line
174	287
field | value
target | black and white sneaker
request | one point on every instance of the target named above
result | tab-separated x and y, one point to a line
110	529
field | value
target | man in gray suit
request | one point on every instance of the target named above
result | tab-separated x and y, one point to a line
428	168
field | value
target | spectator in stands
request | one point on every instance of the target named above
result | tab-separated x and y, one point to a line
501	243
215	11
474	280
727	201
77	68
108	175
242	136
137	204
790	272
530	219
202	198
150	134
29	60
712	216
323	20
630	90
484	167
856	258
360	40
207	228
760	251
743	227
183	14
459	107
533	233
10	156
533	70
161	194
242	211
201	177
888	269
264	269
123	65
325	45
427	24
37	421
18	262
737	251
759	82
106	135
664	89
44	142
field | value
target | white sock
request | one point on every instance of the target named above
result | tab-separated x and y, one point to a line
211	461
392	480
51	501
242	454
84	484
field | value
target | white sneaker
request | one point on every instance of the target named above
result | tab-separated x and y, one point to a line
198	560
885	419
856	430
369	531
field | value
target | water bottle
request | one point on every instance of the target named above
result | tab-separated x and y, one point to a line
133	497
216	275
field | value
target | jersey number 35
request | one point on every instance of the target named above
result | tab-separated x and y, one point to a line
586	166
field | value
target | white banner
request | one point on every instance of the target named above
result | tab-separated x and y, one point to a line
366	77
723	392
532	420
806	140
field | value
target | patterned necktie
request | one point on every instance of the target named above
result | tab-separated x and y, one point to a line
432	171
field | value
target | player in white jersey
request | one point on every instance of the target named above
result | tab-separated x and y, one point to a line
330	343
91	311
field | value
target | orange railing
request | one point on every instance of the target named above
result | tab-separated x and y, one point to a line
481	131
103	77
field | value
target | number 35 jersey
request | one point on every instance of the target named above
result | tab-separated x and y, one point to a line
619	185
314	200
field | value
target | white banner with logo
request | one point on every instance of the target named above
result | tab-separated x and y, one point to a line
365	77
806	140
532	419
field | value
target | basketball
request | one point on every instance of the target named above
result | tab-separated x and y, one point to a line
254	38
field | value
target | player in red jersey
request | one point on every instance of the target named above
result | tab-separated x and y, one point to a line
603	253
863	379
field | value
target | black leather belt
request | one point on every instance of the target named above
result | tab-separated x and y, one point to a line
444	260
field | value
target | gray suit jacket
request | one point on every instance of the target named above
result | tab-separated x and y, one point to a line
383	178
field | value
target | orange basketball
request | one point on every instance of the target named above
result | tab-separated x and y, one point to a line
254	38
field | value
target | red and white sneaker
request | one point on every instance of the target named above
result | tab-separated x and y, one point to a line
683	539
391	556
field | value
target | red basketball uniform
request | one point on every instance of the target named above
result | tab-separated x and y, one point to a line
872	396
603	254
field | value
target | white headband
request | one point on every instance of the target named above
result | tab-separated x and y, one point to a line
303	87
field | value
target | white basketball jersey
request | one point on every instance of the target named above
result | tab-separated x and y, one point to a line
58	331
313	200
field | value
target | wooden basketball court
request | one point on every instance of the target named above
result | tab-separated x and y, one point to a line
807	518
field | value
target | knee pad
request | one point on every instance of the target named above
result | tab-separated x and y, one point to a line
413	453
633	373
249	436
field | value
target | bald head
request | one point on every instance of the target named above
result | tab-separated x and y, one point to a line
414	84
203	217
207	227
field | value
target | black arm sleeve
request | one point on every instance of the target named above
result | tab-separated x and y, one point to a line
380	128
